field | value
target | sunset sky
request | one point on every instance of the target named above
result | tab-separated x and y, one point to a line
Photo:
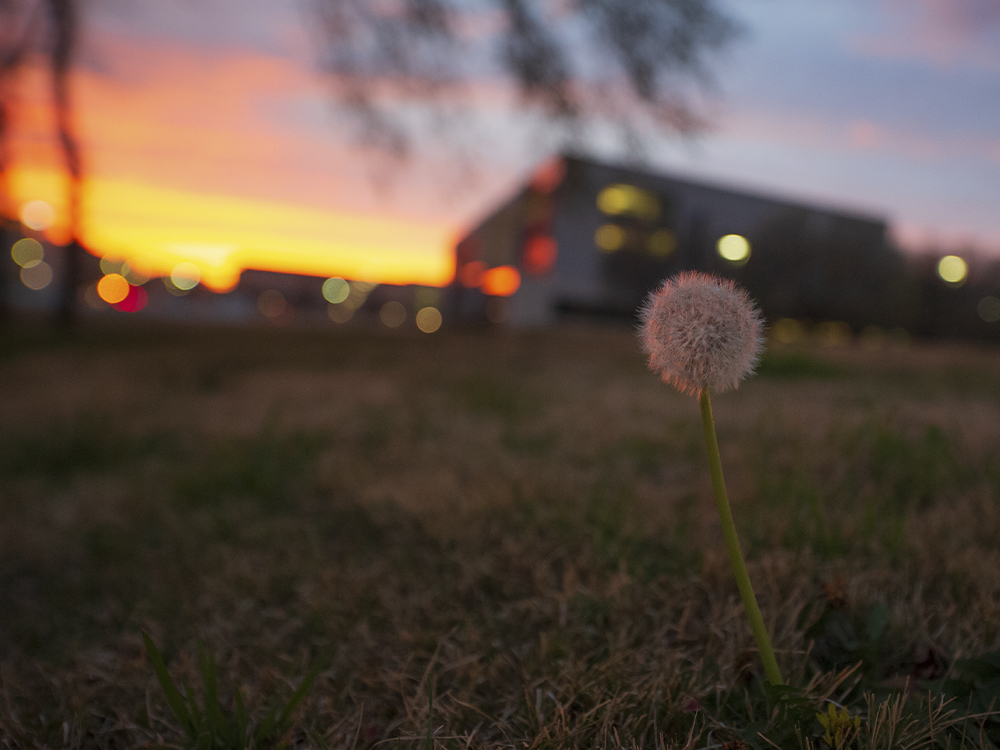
210	136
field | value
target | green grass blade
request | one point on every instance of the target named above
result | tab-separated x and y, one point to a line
266	729
197	718
300	693
242	718
174	699
213	709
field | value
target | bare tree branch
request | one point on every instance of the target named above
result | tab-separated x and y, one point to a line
569	59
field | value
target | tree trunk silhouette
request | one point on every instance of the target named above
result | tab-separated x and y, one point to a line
64	18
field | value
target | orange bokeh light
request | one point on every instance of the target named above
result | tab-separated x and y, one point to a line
501	281
113	288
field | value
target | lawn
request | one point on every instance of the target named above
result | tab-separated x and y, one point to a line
506	540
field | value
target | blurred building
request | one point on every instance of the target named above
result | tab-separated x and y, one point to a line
586	238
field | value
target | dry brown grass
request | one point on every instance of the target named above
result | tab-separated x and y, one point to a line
523	522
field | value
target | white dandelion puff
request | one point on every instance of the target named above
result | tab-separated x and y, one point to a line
701	331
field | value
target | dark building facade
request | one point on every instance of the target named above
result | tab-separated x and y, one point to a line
587	238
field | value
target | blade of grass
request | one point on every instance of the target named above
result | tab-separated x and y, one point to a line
174	699
213	709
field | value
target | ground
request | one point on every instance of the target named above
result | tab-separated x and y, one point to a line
508	539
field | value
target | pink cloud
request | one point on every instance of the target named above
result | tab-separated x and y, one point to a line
945	33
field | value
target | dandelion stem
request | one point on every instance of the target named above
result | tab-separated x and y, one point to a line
733	544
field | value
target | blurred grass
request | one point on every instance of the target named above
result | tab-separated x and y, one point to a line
523	520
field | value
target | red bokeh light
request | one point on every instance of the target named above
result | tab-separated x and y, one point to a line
471	274
134	301
539	254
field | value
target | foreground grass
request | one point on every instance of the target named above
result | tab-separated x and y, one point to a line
520	527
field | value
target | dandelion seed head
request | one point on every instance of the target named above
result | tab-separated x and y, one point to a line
701	331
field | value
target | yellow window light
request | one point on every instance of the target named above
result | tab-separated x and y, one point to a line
953	269
609	237
622	199
734	247
662	243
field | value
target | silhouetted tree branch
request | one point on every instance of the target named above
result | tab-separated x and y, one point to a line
617	60
49	28
64	23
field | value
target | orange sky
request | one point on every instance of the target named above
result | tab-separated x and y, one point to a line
228	160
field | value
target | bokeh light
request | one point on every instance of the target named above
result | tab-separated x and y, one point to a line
111	265
340	313
428	319
501	281
873	338
134	301
609	237
989	309
38	215
272	304
953	269
90	297
336	290
834	333
787	331
540	254
27	252
113	288
37	276
133	275
359	291
393	314
471	274
734	247
662	243
185	276
168	283
628	199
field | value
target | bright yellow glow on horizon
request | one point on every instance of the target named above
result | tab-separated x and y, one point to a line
157	228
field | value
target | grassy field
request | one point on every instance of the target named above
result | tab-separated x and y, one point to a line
508	540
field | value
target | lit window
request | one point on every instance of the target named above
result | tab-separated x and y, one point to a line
953	269
734	248
662	243
621	199
609	237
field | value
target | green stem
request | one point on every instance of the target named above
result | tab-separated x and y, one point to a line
733	544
